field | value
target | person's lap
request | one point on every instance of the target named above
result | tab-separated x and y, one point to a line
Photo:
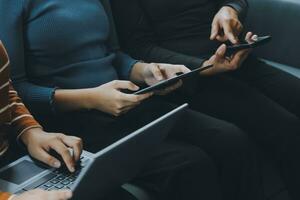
276	84
215	138
236	102
260	100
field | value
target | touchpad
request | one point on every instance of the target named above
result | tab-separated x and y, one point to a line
21	172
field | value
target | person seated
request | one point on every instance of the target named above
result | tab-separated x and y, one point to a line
16	123
240	89
73	78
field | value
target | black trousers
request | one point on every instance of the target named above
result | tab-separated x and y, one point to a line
185	165
262	101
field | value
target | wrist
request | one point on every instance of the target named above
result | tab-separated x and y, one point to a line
230	10
87	98
27	136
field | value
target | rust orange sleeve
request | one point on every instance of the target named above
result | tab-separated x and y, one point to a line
21	118
4	195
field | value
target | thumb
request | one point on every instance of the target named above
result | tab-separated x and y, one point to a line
221	51
214	31
229	34
126	85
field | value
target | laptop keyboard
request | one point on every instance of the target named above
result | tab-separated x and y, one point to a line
62	180
58	179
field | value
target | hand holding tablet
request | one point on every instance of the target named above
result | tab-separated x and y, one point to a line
245	45
169	82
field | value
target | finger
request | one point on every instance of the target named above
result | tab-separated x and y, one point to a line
60	195
239	57
126	85
44	157
143	97
131	98
184	69
176	86
128	108
171	71
156	71
131	101
75	143
254	37
212	60
220	53
248	37
228	32
64	152
244	55
170	89
214	31
222	38
239	28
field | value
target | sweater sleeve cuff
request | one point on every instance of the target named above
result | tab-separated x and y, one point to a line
124	64
42	99
235	6
240	6
5	196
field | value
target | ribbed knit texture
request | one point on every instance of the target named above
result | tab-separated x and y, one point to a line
14	117
58	44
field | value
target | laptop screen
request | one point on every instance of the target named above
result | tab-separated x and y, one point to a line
21	172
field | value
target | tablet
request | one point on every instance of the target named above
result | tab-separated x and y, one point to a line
260	41
169	82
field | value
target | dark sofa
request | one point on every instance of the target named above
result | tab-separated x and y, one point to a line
279	18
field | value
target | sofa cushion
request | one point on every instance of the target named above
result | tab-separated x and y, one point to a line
279	18
292	70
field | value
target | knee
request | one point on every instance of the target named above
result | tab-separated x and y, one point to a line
231	140
197	158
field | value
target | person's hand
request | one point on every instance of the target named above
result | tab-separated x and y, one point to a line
156	72
40	143
44	195
226	26
110	99
222	63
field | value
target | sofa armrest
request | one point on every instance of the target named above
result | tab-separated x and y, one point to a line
279	18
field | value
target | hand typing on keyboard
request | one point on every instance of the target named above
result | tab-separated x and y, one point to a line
41	145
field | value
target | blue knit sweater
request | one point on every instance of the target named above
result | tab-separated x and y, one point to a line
58	44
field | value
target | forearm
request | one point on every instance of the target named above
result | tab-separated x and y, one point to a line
72	100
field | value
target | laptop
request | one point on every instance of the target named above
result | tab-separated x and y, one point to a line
98	174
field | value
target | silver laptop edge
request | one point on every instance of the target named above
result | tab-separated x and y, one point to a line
13	188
